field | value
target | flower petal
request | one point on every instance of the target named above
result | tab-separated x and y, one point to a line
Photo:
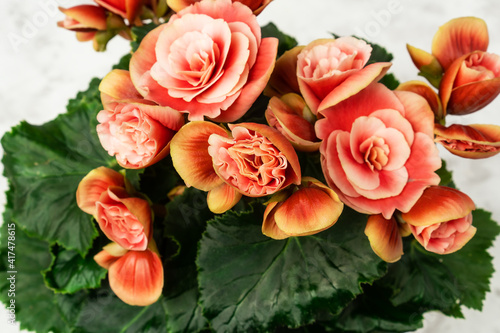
269	226
109	254
189	151
222	198
283	80
458	37
118	85
422	89
473	96
439	204
93	185
384	237
137	277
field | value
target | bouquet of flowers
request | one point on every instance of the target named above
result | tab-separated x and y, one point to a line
223	178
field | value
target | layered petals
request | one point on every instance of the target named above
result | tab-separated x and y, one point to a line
123	219
257	160
93	185
470	141
208	61
378	152
441	220
470	83
312	208
292	118
385	237
331	70
459	37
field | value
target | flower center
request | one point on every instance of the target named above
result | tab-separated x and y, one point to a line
375	152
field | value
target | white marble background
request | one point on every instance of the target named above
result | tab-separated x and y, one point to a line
43	66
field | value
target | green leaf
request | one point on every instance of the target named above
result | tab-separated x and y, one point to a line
285	42
445	175
47	170
250	282
22	283
124	62
186	220
390	81
70	272
446	282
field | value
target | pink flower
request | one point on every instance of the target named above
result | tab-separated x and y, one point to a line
208	61
123	219
378	152
257	6
136	131
331	70
441	220
254	160
136	277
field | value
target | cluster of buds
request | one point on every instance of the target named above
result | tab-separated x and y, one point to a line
135	271
467	78
108	18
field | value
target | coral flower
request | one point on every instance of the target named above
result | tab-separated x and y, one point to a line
378	152
257	6
209	60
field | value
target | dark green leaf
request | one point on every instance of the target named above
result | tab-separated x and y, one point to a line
70	272
285	42
22	283
390	81
44	165
445	175
250	282
186	220
124	62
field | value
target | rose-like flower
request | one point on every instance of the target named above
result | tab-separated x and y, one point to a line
255	160
136	131
378	152
136	277
128	9
257	6
470	141
208	61
292	118
331	70
123	219
441	220
302	211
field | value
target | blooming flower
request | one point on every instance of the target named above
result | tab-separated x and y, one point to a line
209	60
377	152
255	160
306	210
136	131
441	220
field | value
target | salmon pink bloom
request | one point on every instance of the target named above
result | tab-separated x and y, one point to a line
253	160
257	6
470	141
93	185
331	70
441	220
209	60
306	210
136	277
378	152
136	131
123	219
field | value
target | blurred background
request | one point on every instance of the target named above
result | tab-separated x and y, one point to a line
43	66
